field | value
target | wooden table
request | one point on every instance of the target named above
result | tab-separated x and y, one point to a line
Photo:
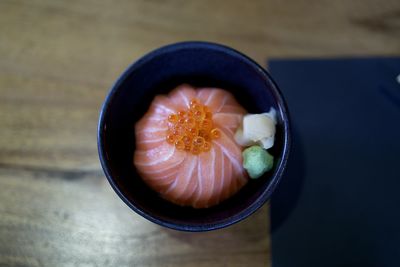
57	61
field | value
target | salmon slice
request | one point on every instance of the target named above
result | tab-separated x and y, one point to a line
198	180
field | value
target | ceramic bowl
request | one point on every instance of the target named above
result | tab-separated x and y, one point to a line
200	64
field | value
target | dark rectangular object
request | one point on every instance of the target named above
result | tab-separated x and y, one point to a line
339	202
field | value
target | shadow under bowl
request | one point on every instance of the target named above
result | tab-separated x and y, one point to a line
200	64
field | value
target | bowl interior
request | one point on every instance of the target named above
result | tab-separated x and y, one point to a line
201	65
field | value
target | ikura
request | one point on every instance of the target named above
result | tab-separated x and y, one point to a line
192	130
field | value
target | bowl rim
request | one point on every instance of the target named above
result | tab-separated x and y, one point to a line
274	180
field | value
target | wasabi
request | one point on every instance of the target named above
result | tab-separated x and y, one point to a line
257	161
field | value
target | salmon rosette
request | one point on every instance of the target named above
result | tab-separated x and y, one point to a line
185	147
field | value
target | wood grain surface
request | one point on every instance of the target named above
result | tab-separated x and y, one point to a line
57	61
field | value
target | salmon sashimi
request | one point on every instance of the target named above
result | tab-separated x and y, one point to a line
185	147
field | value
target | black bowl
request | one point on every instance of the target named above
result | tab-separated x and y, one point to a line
199	64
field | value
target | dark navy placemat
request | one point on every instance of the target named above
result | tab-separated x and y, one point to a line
339	202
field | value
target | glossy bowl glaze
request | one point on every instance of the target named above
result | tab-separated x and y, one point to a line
200	64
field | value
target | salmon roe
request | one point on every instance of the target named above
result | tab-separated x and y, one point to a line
192	130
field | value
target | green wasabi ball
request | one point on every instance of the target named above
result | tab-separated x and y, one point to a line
257	161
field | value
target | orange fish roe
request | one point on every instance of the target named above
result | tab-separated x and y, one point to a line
192	130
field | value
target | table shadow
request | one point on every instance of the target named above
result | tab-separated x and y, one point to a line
287	194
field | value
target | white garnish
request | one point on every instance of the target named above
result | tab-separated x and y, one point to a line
257	129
